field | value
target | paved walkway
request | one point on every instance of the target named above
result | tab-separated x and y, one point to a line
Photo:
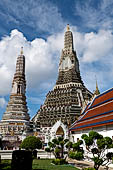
85	164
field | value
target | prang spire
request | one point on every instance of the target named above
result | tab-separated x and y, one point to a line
69	65
17	106
65	101
19	82
15	120
20	65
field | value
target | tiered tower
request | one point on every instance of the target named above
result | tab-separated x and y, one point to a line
16	118
66	99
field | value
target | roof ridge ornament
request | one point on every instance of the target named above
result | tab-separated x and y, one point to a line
96	92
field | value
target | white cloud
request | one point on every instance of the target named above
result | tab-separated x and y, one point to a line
95	46
40	15
95	14
42	58
2	102
95	52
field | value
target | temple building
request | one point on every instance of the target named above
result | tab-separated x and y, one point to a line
97	116
64	103
15	120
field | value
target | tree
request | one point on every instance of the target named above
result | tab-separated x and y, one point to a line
69	146
97	145
57	147
31	143
76	146
50	148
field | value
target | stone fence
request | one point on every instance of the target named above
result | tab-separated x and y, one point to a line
7	154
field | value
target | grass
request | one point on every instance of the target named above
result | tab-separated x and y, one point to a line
42	164
5	165
46	165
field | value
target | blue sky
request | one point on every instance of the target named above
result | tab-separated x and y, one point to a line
39	26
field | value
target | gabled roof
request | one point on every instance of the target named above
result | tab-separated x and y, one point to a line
98	113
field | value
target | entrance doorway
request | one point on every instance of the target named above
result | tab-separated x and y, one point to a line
60	132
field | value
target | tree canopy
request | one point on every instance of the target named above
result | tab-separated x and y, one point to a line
31	143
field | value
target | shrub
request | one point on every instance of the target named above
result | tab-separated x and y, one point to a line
47	150
79	156
7	167
59	161
63	161
56	161
72	154
76	155
57	152
89	168
21	160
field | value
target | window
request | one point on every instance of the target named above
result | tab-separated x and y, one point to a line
72	61
18	89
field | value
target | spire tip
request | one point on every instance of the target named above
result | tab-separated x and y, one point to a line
21	51
97	92
68	28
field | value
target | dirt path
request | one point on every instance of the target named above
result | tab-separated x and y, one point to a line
84	164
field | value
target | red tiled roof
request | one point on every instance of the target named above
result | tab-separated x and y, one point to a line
98	113
103	97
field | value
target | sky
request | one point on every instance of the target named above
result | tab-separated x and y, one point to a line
39	26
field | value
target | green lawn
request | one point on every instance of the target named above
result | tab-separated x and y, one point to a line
5	165
46	165
42	164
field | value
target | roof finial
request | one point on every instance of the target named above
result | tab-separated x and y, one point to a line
21	51
97	92
68	28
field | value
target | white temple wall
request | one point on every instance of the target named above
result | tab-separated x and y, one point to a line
103	130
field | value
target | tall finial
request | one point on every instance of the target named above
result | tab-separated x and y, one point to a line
97	92
96	84
68	28
21	51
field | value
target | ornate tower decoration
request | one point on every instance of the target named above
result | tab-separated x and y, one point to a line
65	101
69	64
16	118
96	92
